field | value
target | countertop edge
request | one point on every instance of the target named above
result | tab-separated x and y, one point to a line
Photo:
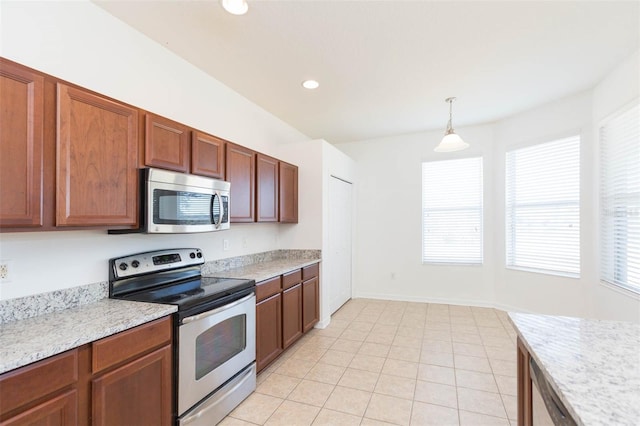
25	341
265	270
39	349
550	379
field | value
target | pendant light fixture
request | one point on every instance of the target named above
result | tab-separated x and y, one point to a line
235	7
451	141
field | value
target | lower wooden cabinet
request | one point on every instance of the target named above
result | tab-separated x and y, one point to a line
287	307
73	388
291	315
61	410
137	393
268	330
310	303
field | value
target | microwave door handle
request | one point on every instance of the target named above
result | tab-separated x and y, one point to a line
213	202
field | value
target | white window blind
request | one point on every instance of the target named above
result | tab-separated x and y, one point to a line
620	200
452	211
543	207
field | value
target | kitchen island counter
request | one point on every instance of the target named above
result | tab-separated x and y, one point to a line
592	365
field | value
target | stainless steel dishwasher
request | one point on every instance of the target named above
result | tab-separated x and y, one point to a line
547	409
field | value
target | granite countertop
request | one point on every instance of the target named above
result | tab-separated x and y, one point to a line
593	365
264	270
25	341
36	327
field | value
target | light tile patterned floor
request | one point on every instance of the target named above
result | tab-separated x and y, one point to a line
385	362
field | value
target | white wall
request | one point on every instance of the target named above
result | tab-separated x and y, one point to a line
616	91
534	291
81	43
388	260
317	161
334	163
390	167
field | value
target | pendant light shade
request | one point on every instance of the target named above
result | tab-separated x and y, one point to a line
451	141
235	7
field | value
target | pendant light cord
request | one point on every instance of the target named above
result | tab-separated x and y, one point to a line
449	124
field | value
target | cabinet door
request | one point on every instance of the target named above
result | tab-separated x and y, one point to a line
35	382
310	303
288	193
207	155
268	330
291	315
240	171
59	411
166	144
21	146
266	189
138	393
97	158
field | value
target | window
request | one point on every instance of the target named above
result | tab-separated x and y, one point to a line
620	200
543	207
452	211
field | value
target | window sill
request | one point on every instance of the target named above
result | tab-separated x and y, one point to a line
429	263
545	272
629	292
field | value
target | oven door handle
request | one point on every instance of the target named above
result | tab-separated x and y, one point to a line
216	311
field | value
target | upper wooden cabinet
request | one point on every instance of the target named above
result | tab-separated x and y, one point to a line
288	193
96	160
207	155
69	158
167	144
21	146
266	189
240	171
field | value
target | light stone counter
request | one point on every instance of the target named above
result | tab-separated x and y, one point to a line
39	326
264	271
262	266
27	340
593	365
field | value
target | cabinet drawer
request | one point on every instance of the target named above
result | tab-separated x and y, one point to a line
267	288
42	378
291	278
310	271
123	346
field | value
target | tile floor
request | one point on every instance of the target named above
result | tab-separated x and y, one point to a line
385	362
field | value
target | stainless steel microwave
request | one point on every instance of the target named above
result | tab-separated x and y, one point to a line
177	203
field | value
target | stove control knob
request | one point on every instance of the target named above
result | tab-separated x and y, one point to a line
135	263
192	255
199	255
122	266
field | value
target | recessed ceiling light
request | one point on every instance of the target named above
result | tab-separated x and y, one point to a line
310	84
235	7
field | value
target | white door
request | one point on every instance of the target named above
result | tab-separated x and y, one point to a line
340	214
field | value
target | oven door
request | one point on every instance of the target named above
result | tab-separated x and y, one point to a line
213	347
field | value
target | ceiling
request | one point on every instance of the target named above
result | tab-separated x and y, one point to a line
385	67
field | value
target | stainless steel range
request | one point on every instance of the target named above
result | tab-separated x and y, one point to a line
215	353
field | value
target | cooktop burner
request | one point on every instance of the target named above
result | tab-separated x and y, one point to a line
199	290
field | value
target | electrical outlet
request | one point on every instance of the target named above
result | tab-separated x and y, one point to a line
244	242
6	271
225	245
